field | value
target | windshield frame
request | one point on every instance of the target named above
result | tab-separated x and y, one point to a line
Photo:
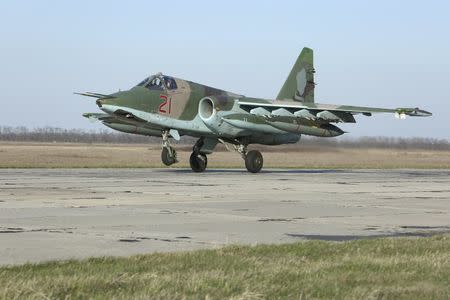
144	82
164	80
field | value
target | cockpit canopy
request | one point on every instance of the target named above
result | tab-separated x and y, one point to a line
159	82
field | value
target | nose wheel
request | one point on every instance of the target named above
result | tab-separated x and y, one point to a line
168	156
168	153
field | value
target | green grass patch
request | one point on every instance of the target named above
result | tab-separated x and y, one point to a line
387	268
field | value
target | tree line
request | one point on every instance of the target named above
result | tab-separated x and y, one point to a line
62	135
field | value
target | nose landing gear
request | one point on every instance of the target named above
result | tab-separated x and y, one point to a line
169	156
168	153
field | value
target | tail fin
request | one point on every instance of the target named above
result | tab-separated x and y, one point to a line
300	84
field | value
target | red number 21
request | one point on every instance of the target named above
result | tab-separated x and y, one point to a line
166	102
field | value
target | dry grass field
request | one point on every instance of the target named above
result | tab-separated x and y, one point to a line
71	155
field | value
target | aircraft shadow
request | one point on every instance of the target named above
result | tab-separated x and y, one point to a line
343	238
266	171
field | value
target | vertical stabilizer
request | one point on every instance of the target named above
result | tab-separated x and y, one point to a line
299	85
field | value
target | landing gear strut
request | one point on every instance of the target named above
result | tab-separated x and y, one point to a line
168	154
198	160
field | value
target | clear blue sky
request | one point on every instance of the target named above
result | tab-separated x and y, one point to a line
371	53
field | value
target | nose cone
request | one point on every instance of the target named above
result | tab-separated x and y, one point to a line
109	104
113	102
109	108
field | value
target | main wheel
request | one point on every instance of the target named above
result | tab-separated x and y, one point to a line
168	156
198	162
254	161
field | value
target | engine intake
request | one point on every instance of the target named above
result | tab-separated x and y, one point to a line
206	109
209	111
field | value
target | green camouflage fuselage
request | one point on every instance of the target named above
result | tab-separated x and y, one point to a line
183	106
161	103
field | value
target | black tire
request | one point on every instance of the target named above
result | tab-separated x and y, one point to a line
254	161
198	162
166	158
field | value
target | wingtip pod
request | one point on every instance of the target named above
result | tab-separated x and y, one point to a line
401	113
421	113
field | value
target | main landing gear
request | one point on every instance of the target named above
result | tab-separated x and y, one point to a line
198	161
253	159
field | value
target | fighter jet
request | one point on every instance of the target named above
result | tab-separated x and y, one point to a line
169	107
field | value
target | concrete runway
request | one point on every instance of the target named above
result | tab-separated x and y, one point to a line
48	214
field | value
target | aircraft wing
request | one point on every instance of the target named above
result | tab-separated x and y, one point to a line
321	112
